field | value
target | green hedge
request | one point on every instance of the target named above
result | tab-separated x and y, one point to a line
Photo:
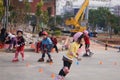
57	32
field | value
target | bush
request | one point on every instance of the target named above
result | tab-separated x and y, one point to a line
57	32
117	29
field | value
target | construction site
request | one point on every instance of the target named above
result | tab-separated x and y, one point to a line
59	39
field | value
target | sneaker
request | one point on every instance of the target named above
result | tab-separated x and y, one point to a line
85	55
91	54
118	51
8	50
62	78
49	60
59	78
57	52
22	59
41	60
15	60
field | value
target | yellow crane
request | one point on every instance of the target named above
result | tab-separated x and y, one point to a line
79	22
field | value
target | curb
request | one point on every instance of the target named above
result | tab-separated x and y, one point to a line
109	45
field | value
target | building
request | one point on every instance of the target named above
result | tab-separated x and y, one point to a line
93	4
49	5
17	4
59	6
117	10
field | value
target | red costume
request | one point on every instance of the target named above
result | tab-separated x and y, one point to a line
86	39
19	48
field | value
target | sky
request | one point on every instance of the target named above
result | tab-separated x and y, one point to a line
77	3
115	2
112	2
92	2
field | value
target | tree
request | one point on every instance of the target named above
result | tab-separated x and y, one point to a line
99	17
39	13
19	11
103	18
117	29
59	20
49	9
93	18
45	17
27	11
1	9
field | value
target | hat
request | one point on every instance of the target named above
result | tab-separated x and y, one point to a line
20	30
77	35
44	33
86	32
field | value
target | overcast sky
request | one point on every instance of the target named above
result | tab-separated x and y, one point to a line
115	2
111	3
77	3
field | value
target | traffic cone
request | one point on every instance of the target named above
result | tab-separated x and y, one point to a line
40	70
52	75
6	46
1	46
100	62
32	46
50	63
53	50
115	63
27	64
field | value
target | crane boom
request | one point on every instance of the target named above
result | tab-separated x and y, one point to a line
79	16
81	10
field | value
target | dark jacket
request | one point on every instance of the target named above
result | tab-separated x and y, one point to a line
20	41
54	40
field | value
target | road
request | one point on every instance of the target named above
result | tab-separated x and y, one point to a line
103	65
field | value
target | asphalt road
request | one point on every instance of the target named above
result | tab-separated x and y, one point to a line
103	65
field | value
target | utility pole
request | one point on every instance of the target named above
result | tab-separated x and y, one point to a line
86	16
6	5
119	14
55	12
7	8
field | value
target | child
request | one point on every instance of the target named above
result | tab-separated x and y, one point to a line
38	42
54	40
20	43
87	44
68	57
12	41
45	47
7	39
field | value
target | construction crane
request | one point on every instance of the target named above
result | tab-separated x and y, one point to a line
80	21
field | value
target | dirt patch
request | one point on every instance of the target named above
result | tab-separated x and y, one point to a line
110	41
105	38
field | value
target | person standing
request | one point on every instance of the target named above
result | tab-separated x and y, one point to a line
54	40
45	47
12	41
87	44
20	43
